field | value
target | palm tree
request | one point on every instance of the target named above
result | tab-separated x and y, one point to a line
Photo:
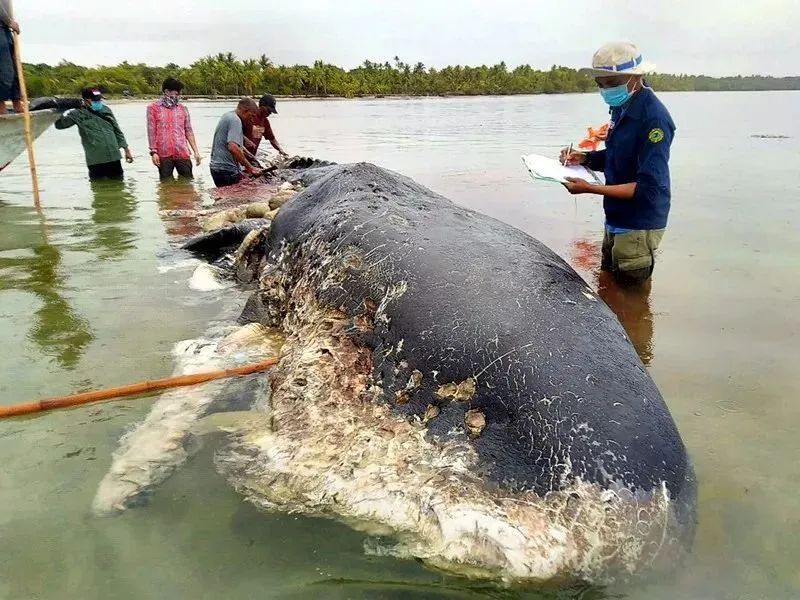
250	75
264	62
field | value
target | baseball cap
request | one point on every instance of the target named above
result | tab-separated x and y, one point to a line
268	100
91	94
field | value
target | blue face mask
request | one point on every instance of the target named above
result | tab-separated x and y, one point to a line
97	105
617	95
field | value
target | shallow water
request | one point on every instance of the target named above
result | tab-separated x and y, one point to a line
95	295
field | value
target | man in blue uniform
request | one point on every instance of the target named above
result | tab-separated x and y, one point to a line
636	195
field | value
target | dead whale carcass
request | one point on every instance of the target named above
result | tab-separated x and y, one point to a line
450	381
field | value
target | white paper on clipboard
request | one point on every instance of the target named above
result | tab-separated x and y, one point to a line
548	169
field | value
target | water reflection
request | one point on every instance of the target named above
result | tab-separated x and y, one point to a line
178	202
57	328
32	264
631	304
632	307
113	204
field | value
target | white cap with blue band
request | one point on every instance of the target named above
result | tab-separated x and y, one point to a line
618	58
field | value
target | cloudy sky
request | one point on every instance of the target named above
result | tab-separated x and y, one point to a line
716	37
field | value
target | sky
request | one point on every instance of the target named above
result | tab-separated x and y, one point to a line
714	37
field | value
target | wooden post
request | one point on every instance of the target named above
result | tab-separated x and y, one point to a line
26	114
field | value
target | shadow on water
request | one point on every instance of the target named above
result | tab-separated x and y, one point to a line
113	204
56	327
631	304
445	590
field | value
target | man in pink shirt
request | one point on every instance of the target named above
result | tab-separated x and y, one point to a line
169	133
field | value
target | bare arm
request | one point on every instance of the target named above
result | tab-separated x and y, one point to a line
189	131
193	145
250	156
238	154
277	147
270	135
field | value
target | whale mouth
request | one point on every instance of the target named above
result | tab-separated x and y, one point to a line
330	445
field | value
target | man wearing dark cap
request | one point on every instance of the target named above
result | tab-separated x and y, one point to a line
100	135
261	127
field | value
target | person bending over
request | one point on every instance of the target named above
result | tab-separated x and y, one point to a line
227	150
261	127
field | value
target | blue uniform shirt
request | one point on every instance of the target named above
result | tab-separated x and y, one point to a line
637	149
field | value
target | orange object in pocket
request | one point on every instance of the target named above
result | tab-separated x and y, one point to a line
594	137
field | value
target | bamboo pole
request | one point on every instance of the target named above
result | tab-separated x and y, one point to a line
131	390
26	115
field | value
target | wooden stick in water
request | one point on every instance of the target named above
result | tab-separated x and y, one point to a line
26	115
131	390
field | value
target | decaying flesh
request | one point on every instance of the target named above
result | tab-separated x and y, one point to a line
330	445
323	439
151	451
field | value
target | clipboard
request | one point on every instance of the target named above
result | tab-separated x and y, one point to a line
543	168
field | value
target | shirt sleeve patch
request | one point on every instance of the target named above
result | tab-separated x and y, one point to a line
656	135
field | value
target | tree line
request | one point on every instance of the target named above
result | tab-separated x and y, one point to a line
226	75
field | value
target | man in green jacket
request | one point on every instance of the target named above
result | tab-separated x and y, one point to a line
100	135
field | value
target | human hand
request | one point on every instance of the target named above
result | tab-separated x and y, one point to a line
571	158
284	154
576	185
14	26
128	156
253	172
198	159
156	159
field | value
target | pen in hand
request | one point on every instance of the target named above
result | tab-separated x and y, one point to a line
567	154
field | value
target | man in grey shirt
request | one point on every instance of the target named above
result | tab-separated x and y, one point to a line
227	151
9	79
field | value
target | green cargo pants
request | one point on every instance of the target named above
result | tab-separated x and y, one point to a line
630	256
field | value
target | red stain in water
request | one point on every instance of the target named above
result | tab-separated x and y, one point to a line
244	192
585	256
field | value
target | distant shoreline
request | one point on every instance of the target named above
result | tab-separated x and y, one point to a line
113	99
223	76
